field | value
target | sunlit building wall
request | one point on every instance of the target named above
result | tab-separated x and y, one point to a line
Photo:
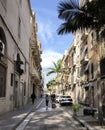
14	57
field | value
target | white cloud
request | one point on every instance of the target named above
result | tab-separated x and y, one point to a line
46	31
48	57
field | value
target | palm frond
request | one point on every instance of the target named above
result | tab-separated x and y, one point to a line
56	69
51	72
68	9
51	68
78	22
55	65
89	15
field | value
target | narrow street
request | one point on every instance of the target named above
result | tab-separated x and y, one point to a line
58	118
52	50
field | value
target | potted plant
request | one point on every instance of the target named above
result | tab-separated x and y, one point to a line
75	108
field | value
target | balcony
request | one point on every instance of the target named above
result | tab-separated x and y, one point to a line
34	53
33	44
34	73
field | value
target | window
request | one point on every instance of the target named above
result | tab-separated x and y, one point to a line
2	81
92	70
19	29
102	67
11	79
25	66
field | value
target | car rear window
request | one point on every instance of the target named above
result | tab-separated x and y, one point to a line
68	97
65	97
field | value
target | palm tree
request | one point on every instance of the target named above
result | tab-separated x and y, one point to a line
89	15
51	84
56	69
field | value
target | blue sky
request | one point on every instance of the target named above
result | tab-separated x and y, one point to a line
53	45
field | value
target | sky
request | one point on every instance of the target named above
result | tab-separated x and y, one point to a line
53	45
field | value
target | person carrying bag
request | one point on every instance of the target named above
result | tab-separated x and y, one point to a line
47	101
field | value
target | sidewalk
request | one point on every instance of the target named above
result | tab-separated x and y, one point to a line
89	122
12	119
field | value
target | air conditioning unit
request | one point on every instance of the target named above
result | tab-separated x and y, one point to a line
2	47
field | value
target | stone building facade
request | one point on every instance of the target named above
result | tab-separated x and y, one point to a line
71	61
15	33
85	60
85	81
35	75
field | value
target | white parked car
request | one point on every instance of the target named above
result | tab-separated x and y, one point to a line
65	100
57	98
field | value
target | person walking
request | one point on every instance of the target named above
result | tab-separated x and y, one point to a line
53	100
47	101
33	97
